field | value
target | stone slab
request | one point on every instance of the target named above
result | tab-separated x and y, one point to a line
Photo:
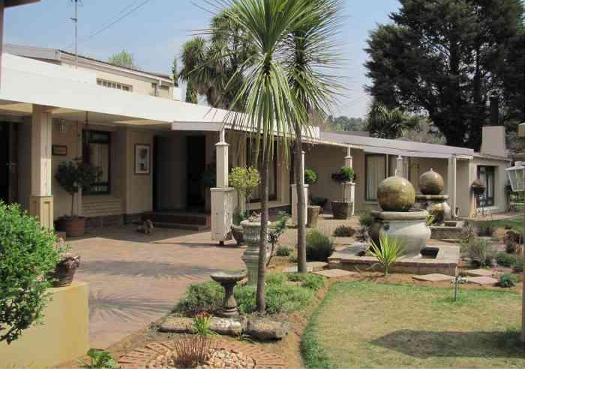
311	266
334	273
479	272
222	326
433	277
483	280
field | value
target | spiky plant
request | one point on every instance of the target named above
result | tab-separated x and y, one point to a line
387	252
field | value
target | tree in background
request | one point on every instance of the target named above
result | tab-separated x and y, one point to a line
397	124
122	59
210	63
446	58
344	124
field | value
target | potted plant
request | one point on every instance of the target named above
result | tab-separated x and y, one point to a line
73	176
65	269
244	181
342	209
312	211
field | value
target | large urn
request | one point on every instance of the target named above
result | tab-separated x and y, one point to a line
396	196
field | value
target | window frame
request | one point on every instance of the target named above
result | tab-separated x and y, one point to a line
485	200
114	85
91	136
385	172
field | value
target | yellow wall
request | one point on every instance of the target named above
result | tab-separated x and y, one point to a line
62	337
138	188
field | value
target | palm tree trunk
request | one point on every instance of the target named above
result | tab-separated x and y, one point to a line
264	221
301	204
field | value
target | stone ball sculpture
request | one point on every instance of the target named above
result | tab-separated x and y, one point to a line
396	194
431	183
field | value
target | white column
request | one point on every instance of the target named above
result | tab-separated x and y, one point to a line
295	196
349	187
41	203
451	184
222	197
399	170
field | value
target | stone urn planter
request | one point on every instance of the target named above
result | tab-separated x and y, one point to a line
408	226
341	209
65	270
72	226
313	216
251	228
238	234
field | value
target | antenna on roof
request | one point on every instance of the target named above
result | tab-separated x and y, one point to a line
75	20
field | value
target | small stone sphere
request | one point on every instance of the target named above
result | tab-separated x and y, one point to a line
395	194
431	183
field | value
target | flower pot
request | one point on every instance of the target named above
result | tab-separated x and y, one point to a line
238	234
341	209
65	270
313	216
72	226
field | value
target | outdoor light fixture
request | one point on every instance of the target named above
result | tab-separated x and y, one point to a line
516	176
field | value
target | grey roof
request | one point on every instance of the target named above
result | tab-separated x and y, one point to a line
397	147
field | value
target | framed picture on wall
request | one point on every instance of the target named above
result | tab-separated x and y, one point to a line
59	150
142	159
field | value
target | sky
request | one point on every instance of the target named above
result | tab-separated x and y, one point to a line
154	31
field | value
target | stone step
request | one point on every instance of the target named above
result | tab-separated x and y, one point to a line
176	218
186	227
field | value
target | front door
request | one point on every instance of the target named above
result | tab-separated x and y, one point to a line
196	160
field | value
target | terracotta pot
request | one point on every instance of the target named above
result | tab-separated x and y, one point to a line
65	270
313	216
238	234
341	209
72	226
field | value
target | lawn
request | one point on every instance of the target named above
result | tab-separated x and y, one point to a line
371	325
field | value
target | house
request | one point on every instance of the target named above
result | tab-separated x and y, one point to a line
170	158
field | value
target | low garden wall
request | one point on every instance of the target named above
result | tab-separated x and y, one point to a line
61	337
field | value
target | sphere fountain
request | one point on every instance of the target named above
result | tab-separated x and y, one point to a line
431	185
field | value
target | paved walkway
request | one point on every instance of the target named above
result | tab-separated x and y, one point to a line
135	279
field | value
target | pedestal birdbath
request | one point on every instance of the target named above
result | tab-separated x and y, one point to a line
228	281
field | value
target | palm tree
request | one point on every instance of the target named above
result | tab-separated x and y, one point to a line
265	96
209	63
389	123
311	54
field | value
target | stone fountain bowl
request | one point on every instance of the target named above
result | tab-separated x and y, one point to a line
408	226
228	278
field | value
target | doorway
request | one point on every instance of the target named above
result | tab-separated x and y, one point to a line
197	179
8	163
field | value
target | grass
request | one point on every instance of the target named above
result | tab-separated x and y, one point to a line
370	325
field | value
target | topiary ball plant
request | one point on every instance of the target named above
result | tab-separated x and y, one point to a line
310	177
28	254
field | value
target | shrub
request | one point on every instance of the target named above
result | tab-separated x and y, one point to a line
365	218
310	177
344	231
477	249
505	260
100	359
202	324
244	180
318	246
73	176
279	298
486	229
200	297
507	281
28	254
283	251
318	201
275	278
345	174
519	265
387	252
310	281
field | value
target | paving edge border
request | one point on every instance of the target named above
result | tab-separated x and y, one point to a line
140	357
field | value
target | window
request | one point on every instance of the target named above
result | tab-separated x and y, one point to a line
375	171
250	155
486	174
114	85
96	152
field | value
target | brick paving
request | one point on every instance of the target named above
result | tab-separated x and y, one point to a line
136	279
